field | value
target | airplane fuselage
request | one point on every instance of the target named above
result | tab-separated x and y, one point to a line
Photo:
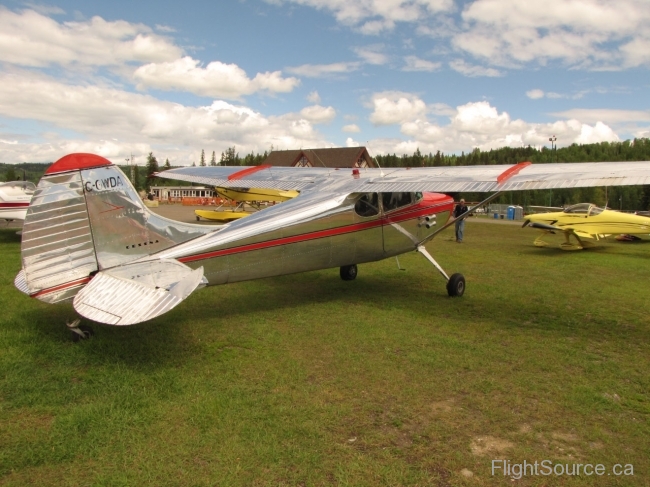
591	223
290	238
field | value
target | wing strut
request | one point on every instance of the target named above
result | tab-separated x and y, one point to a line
461	217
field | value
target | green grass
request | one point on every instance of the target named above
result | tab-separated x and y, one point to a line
310	380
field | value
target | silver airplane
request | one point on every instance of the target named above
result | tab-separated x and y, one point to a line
14	199
89	239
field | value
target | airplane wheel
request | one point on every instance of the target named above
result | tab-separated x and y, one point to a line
349	272
456	285
87	332
198	219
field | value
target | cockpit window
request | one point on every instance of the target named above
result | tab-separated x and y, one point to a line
595	210
367	205
392	201
580	209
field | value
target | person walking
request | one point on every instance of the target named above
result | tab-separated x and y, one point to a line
460	224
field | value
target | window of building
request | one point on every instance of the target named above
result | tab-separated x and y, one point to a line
303	162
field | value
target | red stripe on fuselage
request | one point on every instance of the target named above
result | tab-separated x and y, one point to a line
60	287
14	205
421	209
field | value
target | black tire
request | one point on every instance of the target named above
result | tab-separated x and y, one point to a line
198	219
87	331
456	285
349	272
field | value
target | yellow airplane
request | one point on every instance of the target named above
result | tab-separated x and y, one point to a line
252	196
256	194
586	220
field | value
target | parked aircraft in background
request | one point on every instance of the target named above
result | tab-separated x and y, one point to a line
241	196
586	220
14	199
89	238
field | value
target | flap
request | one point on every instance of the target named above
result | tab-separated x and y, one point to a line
137	292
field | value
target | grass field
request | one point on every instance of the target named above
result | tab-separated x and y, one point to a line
310	380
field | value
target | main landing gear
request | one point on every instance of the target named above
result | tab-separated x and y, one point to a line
455	283
349	272
79	332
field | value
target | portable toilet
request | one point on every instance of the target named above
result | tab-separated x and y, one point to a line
511	213
519	213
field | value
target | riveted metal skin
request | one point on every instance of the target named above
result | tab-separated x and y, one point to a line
81	222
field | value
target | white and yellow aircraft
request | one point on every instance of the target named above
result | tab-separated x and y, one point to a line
252	196
586	220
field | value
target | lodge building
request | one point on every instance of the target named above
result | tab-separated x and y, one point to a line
335	157
341	157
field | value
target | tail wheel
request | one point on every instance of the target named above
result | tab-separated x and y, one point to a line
349	272
86	333
456	285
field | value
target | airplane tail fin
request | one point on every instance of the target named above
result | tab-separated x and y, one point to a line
85	219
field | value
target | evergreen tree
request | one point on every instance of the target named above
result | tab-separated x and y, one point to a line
202	161
152	168
10	175
213	161
136	178
167	165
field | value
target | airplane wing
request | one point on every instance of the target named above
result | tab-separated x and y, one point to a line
448	179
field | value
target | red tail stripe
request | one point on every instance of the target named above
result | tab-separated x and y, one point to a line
60	287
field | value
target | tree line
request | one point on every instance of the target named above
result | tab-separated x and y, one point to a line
622	197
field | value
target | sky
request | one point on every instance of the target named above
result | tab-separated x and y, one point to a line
122	79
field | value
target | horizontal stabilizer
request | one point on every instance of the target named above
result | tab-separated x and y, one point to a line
21	283
137	292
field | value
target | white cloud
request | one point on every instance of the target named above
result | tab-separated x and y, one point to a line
592	34
45	9
313	97
318	114
481	125
586	34
392	107
473	71
321	70
414	63
137	120
609	116
352	128
535	94
29	38
376	27
372	54
216	80
378	13
350	142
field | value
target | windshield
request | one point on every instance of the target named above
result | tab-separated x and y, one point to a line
580	208
595	210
